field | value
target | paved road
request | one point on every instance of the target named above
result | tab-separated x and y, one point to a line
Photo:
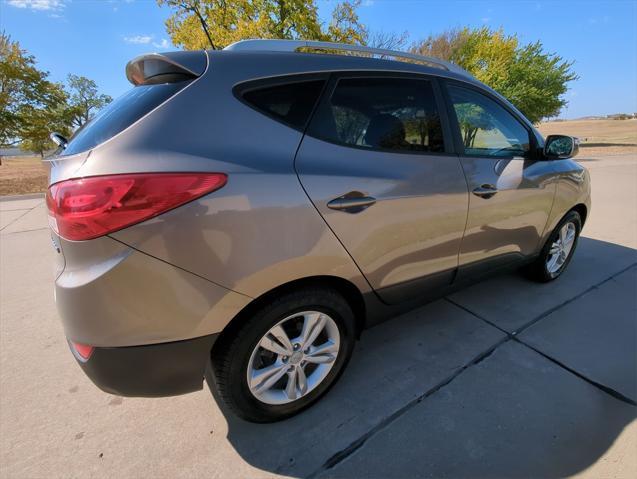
505	379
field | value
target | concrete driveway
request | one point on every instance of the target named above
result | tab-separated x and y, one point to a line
505	379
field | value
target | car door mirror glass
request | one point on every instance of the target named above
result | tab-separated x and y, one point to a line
560	147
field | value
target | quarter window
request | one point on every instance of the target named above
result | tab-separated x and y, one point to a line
486	128
291	103
381	113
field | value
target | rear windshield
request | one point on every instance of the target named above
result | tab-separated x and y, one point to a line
120	114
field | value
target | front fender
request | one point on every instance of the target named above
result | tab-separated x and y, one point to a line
573	189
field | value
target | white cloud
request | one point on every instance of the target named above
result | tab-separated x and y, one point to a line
486	19
139	39
595	20
367	3
163	44
147	40
116	3
42	5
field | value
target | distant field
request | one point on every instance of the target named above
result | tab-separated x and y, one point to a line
22	175
597	136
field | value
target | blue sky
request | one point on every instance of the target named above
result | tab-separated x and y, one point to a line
96	38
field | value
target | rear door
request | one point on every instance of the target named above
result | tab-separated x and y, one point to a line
378	165
511	188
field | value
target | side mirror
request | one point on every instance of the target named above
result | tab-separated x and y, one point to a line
59	140
560	147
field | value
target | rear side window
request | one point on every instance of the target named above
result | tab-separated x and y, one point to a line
120	114
381	113
291	103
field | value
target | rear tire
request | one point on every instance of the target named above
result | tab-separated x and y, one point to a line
558	250
312	361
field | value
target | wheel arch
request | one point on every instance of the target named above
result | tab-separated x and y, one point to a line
348	290
582	210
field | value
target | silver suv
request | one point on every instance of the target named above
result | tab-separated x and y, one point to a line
244	214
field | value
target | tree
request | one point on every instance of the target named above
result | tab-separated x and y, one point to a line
386	40
345	26
31	106
28	101
201	24
445	45
34	135
84	100
533	80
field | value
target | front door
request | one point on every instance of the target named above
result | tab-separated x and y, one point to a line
510	190
375	165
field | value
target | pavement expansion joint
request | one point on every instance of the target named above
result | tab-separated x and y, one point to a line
610	391
18	218
514	335
570	300
343	454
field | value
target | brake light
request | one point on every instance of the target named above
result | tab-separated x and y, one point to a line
86	208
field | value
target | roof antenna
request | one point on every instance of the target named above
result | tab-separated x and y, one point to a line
195	9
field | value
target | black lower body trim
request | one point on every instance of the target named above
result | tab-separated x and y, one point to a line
154	370
379	311
433	284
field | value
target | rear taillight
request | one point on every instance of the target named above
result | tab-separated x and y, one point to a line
86	208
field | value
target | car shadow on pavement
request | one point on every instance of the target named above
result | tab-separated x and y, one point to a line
441	391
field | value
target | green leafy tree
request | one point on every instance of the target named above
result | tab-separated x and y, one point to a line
532	79
31	106
201	24
84	100
34	135
345	26
29	102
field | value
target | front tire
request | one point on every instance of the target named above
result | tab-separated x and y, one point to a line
285	356
558	250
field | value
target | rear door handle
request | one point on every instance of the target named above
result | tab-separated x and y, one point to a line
485	191
351	204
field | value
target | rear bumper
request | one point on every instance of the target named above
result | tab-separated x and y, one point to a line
165	369
151	325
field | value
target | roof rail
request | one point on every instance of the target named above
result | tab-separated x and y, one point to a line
296	45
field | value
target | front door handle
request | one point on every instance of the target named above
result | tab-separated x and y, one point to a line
485	191
351	202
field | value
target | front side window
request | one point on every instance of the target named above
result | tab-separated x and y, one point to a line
381	113
486	128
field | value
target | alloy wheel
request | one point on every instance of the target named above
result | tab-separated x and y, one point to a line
293	357
561	248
